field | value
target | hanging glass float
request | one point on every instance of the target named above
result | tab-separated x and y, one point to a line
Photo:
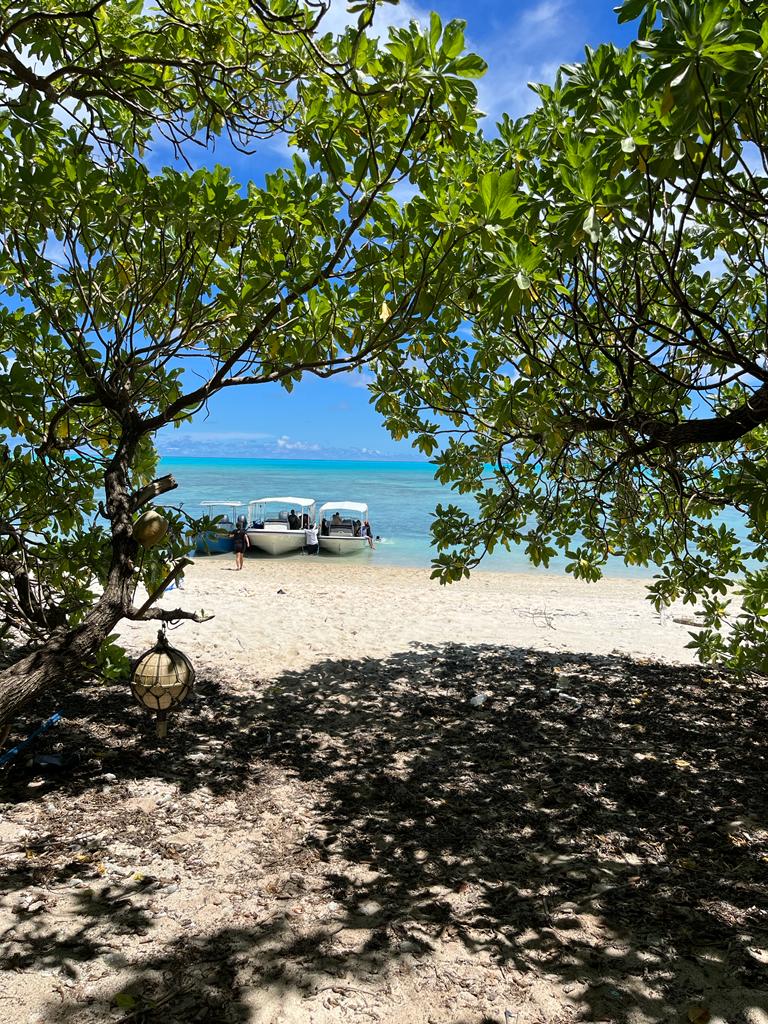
162	678
150	528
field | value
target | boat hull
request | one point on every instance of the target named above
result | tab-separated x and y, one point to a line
214	544
343	545
277	542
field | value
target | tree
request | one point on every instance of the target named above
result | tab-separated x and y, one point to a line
131	296
615	377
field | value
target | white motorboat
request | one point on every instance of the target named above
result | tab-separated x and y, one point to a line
219	540
269	523
340	527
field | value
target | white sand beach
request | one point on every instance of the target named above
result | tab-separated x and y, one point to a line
337	832
284	614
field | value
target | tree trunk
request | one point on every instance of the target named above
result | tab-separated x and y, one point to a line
60	666
68	657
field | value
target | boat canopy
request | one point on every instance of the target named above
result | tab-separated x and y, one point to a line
229	504
343	506
301	502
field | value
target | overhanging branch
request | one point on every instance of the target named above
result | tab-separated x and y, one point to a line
177	569
660	434
168	615
146	611
152	490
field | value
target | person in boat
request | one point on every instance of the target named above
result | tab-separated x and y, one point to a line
240	543
311	545
356	528
305	521
335	519
324	529
293	521
366	531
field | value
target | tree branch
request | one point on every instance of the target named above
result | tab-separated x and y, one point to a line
713	430
14	26
152	490
167	615
133	613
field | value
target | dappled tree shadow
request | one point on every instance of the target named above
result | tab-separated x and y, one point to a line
593	820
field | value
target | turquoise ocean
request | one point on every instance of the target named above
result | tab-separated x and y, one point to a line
401	496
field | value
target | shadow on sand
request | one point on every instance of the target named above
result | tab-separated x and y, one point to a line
593	821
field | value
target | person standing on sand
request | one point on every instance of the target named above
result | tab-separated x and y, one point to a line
311	544
241	542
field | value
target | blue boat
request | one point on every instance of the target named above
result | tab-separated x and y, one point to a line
219	541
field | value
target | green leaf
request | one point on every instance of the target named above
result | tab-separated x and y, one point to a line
453	38
508	199
435	29
489	185
470	66
588	178
629	10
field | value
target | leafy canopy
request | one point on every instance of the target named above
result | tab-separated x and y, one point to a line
611	370
129	295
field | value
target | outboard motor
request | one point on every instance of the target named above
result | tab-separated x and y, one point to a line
241	522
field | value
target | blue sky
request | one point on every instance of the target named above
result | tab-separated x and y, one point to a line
522	41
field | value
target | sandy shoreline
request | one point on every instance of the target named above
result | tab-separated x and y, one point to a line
336	832
280	614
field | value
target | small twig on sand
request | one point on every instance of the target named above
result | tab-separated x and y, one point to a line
537	615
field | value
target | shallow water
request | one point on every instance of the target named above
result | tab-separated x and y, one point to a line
401	496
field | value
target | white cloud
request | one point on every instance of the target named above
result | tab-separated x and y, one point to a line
540	38
285	444
239	445
542	21
386	17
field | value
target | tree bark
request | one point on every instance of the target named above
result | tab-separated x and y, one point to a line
65	662
715	430
69	656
